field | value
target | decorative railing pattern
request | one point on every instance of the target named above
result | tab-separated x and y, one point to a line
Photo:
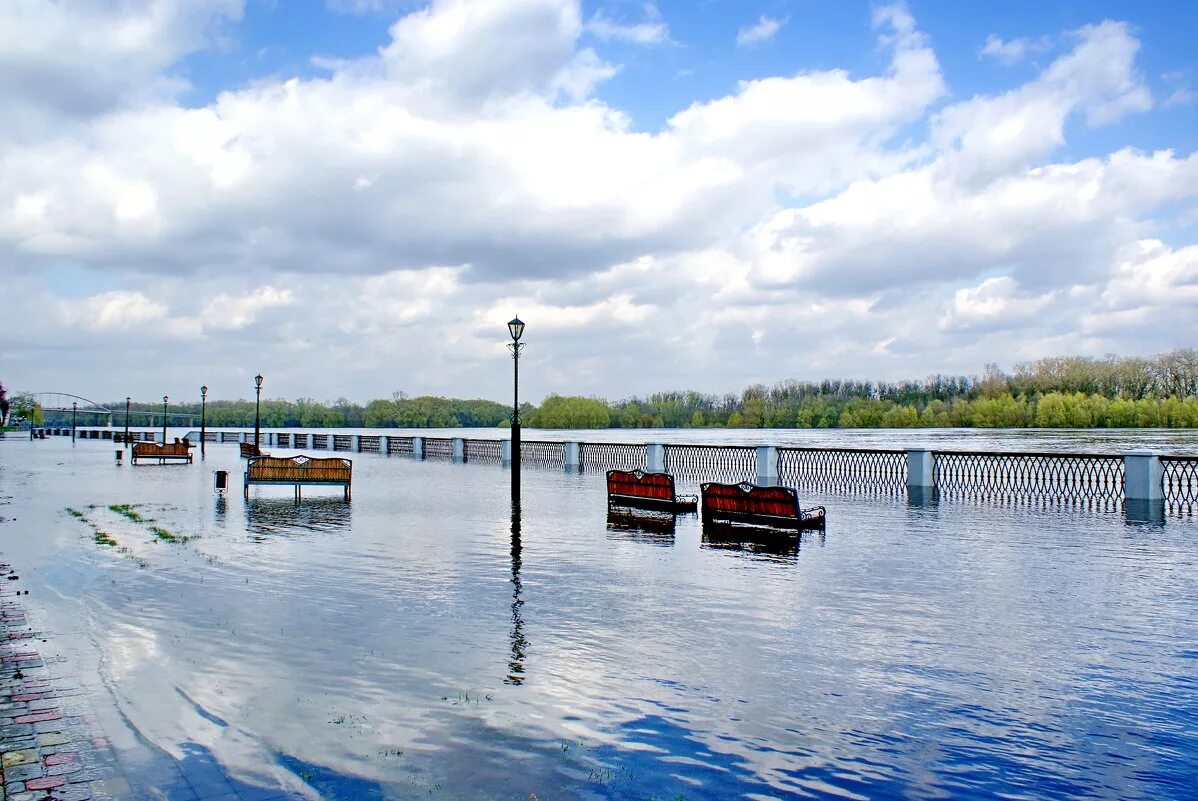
438	448
843	469
1029	474
1179	480
482	450
400	446
343	442
599	457
210	436
320	441
545	454
225	436
369	444
694	464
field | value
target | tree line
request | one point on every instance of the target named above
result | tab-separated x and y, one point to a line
1070	391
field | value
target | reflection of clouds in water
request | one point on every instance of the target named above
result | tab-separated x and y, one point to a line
271	517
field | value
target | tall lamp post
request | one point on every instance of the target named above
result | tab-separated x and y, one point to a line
257	412
74	407
203	417
127	419
516	328
164	420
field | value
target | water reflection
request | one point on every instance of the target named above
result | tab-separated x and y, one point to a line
515	665
654	528
272	517
755	541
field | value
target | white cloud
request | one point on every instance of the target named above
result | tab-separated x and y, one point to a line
1014	50
1181	97
761	31
384	220
649	31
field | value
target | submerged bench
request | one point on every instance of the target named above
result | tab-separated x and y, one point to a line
249	449
646	491
750	504
170	451
298	471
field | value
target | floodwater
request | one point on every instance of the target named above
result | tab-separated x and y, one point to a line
421	642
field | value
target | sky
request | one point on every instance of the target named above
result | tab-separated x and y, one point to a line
352	197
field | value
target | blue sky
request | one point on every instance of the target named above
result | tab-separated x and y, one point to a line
674	194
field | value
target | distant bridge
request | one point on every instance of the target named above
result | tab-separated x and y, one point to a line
66	403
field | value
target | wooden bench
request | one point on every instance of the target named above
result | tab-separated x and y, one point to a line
643	490
170	451
249	449
298	471
750	504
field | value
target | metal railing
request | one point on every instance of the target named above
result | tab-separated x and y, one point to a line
482	450
599	457
400	446
545	454
843	469
1179	481
695	464
438	448
1054	475
320	441
367	444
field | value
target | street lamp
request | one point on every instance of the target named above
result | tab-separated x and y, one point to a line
516	329
203	417
164	421
126	419
74	407
257	412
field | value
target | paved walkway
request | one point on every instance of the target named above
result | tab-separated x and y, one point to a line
50	744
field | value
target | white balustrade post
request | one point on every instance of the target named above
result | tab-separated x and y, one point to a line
385	446
767	465
459	449
921	475
570	457
417	447
1143	491
505	453
355	443
655	458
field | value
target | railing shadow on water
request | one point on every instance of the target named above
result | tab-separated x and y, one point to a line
279	517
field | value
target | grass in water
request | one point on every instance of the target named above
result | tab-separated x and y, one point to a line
102	538
162	534
75	513
126	510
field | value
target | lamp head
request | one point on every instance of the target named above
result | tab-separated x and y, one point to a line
258	380
203	392
164	399
516	328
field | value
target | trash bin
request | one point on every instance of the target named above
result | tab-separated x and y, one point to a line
222	481
119	453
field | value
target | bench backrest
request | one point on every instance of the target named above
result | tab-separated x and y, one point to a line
639	484
157	449
299	469
750	500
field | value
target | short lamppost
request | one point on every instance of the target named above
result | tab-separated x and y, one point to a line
203	418
516	329
164	420
74	407
257	412
127	419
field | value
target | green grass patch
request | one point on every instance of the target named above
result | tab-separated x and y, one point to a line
103	538
75	513
127	510
162	534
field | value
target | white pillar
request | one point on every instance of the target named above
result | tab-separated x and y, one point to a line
655	458
767	465
1142	474
417	447
505	452
459	449
571	453
355	443
385	445
919	469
